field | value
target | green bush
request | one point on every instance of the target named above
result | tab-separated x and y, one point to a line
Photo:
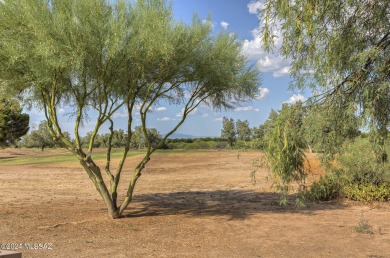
366	179
221	145
367	192
327	188
357	175
241	145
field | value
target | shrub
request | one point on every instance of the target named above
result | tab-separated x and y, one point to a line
367	192
366	179
357	175
327	188
202	144
221	145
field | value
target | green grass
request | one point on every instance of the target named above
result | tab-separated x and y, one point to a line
59	156
62	156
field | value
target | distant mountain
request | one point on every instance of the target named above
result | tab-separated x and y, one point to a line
186	136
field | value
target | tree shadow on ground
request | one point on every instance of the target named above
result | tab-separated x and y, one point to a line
235	204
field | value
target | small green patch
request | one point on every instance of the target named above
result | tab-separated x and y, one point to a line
364	227
380	230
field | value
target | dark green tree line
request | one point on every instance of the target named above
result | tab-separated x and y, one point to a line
13	123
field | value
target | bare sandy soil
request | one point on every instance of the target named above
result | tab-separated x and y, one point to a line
185	205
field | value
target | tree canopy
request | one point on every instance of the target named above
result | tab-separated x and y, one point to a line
13	123
105	55
228	131
340	50
243	130
41	138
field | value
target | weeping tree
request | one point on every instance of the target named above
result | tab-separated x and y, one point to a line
326	130
340	50
284	151
103	56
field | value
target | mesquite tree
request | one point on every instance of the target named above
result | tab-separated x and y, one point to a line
341	50
104	56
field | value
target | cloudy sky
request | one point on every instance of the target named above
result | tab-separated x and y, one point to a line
234	16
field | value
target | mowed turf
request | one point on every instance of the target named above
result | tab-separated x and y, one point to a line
55	156
64	157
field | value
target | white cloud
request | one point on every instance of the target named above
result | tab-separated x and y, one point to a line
295	98
166	119
263	92
137	108
160	109
224	25
205	115
255	6
252	48
119	115
219	119
248	108
61	111
266	62
284	71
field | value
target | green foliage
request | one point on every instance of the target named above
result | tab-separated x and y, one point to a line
39	138
139	140
243	130
242	145
119	139
221	145
200	143
327	188
326	129
197	144
13	123
108	56
58	157
240	136
258	133
356	175
340	50
365	178
228	131
364	227
367	192
284	150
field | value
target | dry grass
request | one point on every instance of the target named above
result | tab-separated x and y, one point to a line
186	205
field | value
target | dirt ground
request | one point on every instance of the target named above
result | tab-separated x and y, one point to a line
185	205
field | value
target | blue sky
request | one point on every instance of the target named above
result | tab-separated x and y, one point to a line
234	16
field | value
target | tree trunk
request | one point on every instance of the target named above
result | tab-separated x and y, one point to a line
95	175
113	213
